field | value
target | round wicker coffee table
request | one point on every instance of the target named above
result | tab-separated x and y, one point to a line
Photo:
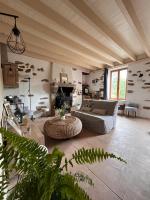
63	129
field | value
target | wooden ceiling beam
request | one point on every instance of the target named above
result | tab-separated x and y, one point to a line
128	11
53	56
31	25
85	11
42	57
63	22
43	51
48	55
32	39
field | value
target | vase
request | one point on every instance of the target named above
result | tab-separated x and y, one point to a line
63	117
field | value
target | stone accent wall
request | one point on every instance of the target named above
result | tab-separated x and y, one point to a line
138	86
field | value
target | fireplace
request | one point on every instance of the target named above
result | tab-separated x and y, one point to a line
64	96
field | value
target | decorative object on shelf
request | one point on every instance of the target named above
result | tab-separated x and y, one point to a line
15	40
63	78
134	75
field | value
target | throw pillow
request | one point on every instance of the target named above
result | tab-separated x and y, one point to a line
99	111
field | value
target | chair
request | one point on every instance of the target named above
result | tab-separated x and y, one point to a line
131	108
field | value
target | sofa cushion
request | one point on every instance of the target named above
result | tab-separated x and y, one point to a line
109	106
99	111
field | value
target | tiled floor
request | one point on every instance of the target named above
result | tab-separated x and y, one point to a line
114	180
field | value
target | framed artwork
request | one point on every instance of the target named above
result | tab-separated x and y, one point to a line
63	78
11	119
8	111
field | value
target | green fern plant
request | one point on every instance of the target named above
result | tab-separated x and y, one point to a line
42	176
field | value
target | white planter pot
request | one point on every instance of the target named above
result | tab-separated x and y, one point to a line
63	117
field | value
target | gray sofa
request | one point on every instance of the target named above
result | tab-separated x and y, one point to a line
98	115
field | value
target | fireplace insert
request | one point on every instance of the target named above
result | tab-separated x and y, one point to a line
64	96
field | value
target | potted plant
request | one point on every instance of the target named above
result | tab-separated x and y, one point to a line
62	111
42	175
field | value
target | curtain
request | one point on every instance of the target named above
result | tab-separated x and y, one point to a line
105	83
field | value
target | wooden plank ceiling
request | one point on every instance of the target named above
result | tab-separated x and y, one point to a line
86	33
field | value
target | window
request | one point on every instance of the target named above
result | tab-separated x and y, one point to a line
118	84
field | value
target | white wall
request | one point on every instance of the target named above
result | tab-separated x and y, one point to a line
1	88
38	88
140	95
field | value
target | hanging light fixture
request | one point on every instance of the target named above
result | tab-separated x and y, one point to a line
15	40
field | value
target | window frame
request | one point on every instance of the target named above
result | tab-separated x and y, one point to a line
118	81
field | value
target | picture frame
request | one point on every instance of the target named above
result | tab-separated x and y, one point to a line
11	119
8	110
63	78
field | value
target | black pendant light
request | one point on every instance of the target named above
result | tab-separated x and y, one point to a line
15	41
